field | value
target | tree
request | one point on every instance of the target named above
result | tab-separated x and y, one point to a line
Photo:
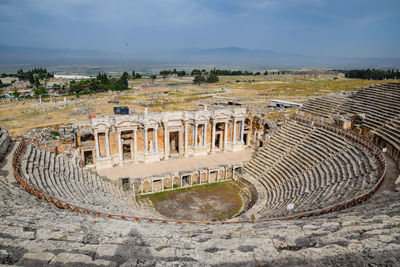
212	78
198	78
102	77
37	82
125	75
96	86
165	72
195	72
181	73
56	87
31	78
123	81
15	93
133	74
40	91
266	72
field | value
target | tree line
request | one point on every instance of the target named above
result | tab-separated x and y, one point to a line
371	74
101	83
204	76
179	73
219	72
34	75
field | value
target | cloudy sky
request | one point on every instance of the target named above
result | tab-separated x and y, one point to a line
357	28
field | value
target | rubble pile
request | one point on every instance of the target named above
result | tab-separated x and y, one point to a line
81	111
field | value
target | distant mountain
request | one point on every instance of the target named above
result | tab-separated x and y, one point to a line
226	56
29	55
223	56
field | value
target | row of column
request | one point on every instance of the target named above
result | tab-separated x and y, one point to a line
147	147
195	133
153	146
238	137
120	148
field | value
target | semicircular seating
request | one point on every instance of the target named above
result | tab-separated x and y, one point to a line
313	166
62	178
380	106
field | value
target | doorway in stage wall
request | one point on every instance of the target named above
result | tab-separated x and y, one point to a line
218	141
126	152
174	142
245	138
88	157
185	180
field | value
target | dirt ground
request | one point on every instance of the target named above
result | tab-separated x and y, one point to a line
173	165
169	94
210	202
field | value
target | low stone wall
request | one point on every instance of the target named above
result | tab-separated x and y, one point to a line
5	140
187	178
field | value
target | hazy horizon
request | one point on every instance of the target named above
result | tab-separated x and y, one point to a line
319	28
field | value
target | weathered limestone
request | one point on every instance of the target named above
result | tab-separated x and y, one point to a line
397	183
61	177
41	235
312	166
305	162
186	178
373	112
108	144
4	142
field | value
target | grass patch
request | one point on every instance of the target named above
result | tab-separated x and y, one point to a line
216	201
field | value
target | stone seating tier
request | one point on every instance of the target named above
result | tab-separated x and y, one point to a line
61	177
319	168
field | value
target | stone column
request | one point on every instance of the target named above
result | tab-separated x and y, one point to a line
121	156
225	135
155	139
135	145
195	134
186	140
234	132
107	144
205	135
180	142
213	137
145	140
131	145
242	132
96	140
166	142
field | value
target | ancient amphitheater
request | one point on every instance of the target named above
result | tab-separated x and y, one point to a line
335	162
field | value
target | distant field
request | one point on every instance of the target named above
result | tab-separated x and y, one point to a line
170	95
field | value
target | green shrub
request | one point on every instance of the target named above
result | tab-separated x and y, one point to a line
54	133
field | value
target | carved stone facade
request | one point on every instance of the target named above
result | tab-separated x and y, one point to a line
110	141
